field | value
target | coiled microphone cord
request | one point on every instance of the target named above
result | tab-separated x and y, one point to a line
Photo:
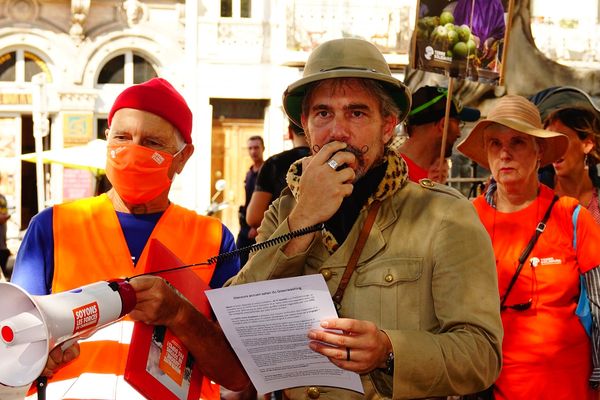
247	249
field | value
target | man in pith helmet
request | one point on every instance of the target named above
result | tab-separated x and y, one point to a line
418	314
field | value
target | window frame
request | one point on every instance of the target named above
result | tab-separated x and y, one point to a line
21	56
128	67
236	10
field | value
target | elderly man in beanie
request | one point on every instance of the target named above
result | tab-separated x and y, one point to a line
425	128
104	237
409	266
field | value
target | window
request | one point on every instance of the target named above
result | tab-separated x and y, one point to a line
21	66
8	64
236	8
239	108
226	8
113	71
142	70
33	65
128	68
245	7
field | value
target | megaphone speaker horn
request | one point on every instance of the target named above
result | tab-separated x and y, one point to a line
31	326
21	361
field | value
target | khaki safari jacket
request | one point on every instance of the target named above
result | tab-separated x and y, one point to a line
426	277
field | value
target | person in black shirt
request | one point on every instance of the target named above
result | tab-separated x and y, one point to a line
271	178
256	148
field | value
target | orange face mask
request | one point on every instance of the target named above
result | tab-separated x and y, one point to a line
137	173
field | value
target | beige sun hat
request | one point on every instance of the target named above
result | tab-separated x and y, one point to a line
345	58
518	113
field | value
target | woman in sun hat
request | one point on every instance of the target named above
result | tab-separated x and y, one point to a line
572	112
546	351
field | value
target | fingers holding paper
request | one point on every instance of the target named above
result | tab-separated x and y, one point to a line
351	344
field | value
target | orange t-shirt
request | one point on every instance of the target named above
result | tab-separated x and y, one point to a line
546	352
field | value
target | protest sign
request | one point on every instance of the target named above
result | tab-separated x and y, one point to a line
462	39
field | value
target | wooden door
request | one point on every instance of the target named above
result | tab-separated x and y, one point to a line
230	161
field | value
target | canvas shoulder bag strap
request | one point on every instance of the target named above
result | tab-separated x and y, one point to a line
360	244
541	226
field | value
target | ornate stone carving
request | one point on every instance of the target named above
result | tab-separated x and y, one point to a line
78	99
79	13
135	10
22	10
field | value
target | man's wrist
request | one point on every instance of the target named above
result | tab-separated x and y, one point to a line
297	244
181	315
297	220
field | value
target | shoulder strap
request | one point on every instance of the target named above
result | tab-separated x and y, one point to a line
360	243
541	226
538	231
574	219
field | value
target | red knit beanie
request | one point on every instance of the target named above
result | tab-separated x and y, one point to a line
157	96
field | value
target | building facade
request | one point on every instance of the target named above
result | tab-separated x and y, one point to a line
62	63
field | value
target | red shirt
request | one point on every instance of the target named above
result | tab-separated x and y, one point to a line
415	173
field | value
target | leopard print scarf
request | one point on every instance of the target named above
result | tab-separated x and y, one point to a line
395	177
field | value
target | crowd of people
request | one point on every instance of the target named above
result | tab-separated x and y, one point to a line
437	295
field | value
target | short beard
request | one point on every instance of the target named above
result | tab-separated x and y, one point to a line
361	164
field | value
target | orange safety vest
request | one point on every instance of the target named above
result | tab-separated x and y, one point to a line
89	246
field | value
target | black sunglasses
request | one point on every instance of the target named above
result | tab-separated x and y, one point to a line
520	306
526	305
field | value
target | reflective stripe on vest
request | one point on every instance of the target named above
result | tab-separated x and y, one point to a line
89	246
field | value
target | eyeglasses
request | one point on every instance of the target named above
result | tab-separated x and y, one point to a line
527	305
443	93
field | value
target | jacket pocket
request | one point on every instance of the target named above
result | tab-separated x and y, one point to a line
388	292
390	271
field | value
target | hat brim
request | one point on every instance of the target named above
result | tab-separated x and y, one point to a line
565	97
294	94
473	146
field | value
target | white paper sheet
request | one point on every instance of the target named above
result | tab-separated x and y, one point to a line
267	324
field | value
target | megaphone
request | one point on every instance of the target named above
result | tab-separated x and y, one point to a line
31	326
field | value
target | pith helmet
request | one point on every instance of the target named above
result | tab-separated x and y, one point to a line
345	58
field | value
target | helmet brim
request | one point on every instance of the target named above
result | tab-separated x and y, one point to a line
294	94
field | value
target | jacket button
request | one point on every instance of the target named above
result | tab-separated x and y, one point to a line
425	182
313	392
326	274
389	278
